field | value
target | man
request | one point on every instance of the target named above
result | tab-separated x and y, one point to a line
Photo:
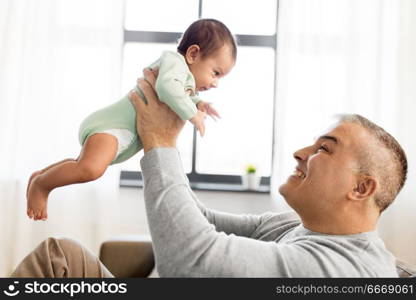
339	188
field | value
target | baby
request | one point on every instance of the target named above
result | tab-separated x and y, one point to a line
206	52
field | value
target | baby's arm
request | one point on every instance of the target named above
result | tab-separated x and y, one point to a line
170	86
199	121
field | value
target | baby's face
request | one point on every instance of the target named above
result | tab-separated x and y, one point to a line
208	70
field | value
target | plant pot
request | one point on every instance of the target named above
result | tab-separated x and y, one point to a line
250	181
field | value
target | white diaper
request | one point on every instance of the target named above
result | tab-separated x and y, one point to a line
124	138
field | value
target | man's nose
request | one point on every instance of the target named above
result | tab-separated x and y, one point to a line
302	154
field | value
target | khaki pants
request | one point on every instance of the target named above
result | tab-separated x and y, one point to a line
61	258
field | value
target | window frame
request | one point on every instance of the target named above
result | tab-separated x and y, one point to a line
203	181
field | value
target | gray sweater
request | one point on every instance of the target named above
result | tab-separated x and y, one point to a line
190	240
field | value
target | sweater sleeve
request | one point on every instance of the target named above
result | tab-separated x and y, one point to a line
185	243
170	86
238	224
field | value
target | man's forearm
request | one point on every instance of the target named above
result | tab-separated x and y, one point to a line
155	142
163	175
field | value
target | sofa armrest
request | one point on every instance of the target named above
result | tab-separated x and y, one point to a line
128	256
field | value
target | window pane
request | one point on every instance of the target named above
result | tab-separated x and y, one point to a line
68	13
136	57
160	15
244	100
243	17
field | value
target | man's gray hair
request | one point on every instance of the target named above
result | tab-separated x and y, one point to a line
391	170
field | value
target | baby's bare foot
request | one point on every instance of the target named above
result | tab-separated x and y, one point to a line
37	200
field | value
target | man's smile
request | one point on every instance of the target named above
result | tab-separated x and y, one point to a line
299	173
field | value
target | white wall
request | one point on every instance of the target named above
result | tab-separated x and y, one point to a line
399	223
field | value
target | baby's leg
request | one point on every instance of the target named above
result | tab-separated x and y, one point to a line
34	174
97	153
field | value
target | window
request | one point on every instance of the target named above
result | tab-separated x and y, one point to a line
245	98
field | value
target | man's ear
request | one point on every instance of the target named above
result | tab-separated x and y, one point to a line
365	187
192	54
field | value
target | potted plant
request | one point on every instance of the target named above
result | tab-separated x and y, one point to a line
250	179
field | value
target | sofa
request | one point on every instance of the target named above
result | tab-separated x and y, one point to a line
128	256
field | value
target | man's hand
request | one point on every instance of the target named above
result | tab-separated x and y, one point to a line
209	109
157	125
199	121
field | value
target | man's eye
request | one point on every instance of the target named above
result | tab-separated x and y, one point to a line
216	73
323	148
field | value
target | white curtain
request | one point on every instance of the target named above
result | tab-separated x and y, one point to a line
349	56
59	61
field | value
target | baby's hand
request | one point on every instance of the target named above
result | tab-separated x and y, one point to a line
199	121
150	75
209	109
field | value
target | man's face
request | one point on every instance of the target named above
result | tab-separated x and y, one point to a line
326	171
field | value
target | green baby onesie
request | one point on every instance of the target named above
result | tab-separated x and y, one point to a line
175	86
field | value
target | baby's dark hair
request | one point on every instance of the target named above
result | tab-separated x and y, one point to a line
210	35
